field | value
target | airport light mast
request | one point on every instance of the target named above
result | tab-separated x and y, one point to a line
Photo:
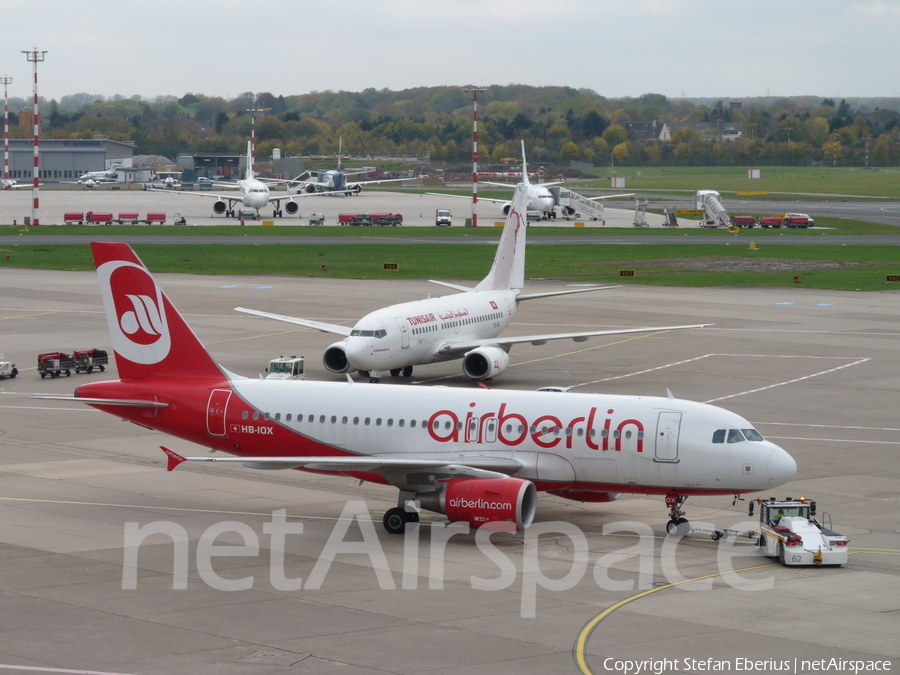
475	91
6	81
35	57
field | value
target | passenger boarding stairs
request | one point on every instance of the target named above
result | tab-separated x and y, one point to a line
574	205
716	215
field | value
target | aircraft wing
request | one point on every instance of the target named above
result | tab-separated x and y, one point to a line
469	197
594	199
363	183
450	347
317	325
194	194
478	467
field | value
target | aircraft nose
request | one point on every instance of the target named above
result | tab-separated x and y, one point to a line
357	351
782	467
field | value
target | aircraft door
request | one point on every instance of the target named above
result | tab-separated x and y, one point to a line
215	412
668	429
404	332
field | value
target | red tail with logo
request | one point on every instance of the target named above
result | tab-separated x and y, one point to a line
149	336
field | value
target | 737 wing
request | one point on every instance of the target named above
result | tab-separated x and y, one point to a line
317	325
450	347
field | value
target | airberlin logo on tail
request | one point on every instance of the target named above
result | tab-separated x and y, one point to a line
134	311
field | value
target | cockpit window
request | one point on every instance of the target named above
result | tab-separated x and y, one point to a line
735	436
719	436
378	334
752	435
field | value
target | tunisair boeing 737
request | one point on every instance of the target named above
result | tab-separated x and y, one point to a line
479	456
464	326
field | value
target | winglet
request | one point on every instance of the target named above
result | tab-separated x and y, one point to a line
174	458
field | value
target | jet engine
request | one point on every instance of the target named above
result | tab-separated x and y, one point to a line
356	189
291	208
335	358
479	501
485	362
506	207
587	495
311	188
220	207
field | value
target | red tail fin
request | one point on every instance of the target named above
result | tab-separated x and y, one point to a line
148	334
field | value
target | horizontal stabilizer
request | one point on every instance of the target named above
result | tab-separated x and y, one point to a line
532	296
132	403
464	289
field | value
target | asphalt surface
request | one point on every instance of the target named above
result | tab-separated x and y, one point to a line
817	372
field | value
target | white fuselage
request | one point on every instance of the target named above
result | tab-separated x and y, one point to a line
254	193
589	441
413	333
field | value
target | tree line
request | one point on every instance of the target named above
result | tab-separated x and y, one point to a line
558	124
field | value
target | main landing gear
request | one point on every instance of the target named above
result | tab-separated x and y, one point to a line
678	525
405	371
395	519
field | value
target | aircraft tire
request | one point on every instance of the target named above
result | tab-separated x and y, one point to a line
395	372
395	520
407	371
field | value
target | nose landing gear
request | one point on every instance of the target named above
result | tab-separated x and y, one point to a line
678	525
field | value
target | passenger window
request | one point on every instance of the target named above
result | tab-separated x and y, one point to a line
277	417
321	419
735	436
245	415
400	423
266	416
287	417
311	419
355	420
719	436
390	422
412	423
344	420
255	416
368	421
378	422
334	419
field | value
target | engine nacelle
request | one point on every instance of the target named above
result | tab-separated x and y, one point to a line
291	208
479	501
310	189
506	208
356	189
335	358
485	362
220	207
587	495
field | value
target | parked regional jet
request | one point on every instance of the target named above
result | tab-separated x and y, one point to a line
540	197
464	326
254	194
334	181
479	456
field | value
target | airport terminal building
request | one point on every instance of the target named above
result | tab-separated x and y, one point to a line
66	159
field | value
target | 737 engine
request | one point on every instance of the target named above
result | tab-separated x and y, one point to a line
479	501
219	207
335	358
485	362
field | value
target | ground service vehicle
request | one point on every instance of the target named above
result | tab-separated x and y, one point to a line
442	217
743	221
95	217
798	220
88	359
7	369
284	368
73	217
55	364
790	532
770	221
317	219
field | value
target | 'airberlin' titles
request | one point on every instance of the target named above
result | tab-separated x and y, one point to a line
546	431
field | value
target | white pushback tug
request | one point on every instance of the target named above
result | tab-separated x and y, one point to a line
790	532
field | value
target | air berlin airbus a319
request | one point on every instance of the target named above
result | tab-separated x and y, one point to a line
478	456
